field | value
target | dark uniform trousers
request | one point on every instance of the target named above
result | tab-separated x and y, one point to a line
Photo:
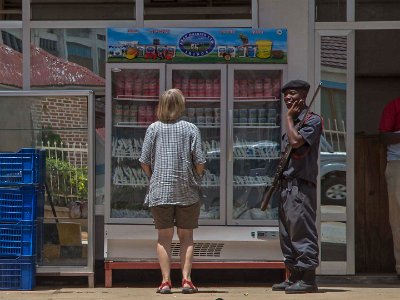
297	229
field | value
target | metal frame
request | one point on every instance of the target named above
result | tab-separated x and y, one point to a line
10	24
128	242
26	45
109	266
197	23
87	270
344	267
348	29
132	240
231	70
108	140
254	14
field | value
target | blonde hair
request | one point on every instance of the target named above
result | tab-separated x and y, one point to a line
171	106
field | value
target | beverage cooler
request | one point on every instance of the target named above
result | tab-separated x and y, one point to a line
237	108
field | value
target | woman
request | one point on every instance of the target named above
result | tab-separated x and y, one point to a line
173	159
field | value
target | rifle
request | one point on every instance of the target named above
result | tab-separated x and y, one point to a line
269	190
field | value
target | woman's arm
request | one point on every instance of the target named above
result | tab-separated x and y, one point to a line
147	169
199	169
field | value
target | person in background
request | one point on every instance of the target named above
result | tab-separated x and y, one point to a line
389	128
297	208
173	159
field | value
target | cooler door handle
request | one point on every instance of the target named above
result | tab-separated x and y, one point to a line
230	135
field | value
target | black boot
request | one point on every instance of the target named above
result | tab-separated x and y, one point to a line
305	284
293	277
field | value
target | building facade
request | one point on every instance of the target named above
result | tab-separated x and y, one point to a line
348	45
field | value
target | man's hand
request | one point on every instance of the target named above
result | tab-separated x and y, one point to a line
294	138
296	108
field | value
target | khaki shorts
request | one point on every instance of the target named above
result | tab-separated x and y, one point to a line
182	216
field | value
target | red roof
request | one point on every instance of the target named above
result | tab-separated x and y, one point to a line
10	66
46	70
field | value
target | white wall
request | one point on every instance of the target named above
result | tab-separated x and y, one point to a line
293	15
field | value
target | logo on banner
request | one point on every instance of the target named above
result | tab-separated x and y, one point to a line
196	43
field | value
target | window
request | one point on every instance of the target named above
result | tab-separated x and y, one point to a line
11	10
80	54
83	10
330	10
11	41
75	49
201	9
10	59
49	45
78	45
373	10
81	32
77	55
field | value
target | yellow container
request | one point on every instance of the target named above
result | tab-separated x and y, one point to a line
264	48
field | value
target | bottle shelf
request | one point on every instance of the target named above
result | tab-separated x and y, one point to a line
259	125
256	157
203	99
200	125
246	157
134	156
131	125
135	98
213	125
155	98
250	181
255	99
135	185
251	185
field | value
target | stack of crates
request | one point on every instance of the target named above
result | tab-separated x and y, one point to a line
22	178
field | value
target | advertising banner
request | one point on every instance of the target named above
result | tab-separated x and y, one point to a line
197	45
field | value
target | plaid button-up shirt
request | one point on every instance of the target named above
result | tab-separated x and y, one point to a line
172	149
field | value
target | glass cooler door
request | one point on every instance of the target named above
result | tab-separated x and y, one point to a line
130	110
254	141
206	107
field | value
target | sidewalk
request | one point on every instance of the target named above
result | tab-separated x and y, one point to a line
354	288
326	292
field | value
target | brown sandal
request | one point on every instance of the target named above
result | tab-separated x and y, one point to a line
191	289
165	288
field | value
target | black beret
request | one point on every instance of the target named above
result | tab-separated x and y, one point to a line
296	85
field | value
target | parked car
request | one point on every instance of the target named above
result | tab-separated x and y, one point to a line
333	175
332	168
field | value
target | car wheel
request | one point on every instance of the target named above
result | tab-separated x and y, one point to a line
333	191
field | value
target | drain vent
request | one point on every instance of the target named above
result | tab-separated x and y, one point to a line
200	249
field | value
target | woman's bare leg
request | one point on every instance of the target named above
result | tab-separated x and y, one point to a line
164	252
186	251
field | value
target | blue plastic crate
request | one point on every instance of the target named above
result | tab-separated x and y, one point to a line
21	203
27	166
18	273
17	239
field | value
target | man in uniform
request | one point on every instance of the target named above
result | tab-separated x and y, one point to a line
298	205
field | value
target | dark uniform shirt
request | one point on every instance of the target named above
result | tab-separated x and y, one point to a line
303	163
